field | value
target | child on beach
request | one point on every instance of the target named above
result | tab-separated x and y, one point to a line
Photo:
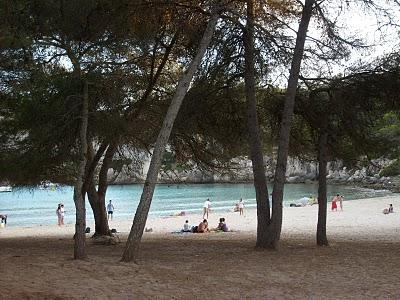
186	227
390	208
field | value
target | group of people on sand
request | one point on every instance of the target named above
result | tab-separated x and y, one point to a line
335	200
204	228
60	212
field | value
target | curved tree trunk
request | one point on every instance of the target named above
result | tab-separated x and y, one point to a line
322	240
132	245
284	134
99	211
97	204
79	195
260	181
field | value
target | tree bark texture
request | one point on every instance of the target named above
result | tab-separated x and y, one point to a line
322	239
132	245
256	154
79	195
284	134
98	205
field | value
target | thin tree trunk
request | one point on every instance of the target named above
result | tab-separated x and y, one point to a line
260	181
79	195
132	245
284	134
322	239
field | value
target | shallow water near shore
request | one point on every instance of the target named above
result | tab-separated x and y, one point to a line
26	207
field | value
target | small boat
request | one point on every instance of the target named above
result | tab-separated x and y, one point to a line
5	189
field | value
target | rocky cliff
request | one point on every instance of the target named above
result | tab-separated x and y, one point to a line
298	171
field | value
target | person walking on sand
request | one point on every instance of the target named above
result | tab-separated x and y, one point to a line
341	199
241	206
334	202
206	208
60	214
110	210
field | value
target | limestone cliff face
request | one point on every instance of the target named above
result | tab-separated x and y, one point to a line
298	171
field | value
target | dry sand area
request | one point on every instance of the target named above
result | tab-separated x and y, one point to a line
362	261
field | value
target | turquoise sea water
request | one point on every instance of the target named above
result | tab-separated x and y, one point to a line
37	206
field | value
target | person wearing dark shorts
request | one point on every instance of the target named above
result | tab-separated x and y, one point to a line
110	210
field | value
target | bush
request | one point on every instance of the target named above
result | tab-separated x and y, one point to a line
391	170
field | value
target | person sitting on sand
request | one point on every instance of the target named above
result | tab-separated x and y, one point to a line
186	227
203	227
222	225
390	208
312	201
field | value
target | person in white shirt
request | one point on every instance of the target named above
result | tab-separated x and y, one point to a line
206	208
60	214
186	227
241	206
110	210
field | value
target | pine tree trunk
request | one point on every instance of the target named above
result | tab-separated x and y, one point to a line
322	239
260	181
79	195
132	245
98	205
284	134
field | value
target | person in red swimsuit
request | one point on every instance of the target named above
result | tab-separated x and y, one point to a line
334	202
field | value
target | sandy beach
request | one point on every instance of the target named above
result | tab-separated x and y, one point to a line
360	263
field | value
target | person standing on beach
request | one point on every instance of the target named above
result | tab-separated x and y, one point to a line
110	210
341	198
206	208
241	206
60	214
334	202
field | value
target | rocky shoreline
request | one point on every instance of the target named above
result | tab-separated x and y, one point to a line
298	171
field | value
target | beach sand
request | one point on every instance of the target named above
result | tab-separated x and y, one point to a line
360	263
